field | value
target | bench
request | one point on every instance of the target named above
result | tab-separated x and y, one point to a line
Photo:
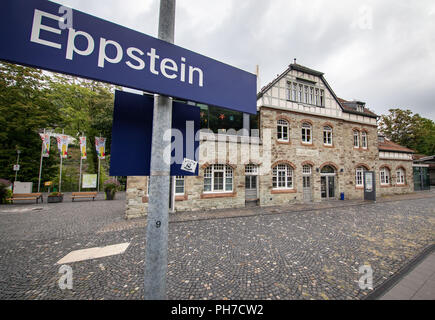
26	196
82	195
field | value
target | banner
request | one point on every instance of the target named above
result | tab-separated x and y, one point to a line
62	145
83	147
45	144
100	145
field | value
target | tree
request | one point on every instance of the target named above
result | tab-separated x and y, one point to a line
25	109
409	130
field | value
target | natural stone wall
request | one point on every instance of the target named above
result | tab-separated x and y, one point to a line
237	152
393	187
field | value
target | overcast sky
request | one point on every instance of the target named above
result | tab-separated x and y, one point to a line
381	52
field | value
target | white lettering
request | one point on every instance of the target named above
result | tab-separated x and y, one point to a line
71	47
153	57
164	66
102	55
200	75
38	26
183	70
130	52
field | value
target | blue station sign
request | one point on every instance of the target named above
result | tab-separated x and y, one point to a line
35	33
132	132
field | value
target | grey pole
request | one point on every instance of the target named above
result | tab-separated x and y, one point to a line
156	253
60	172
40	164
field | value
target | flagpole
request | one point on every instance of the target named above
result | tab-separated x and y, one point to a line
80	177
40	163
98	176
61	159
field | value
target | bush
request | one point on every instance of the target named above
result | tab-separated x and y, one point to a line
112	185
3	193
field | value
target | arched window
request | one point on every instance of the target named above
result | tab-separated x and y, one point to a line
306	133
356	139
282	177
306	169
327	136
327	169
359	176
385	176
218	178
364	141
400	176
282	129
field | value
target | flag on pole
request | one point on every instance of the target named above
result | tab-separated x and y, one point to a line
83	147
45	144
100	145
62	145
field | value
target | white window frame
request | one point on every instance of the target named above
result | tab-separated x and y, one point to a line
355	138
400	176
284	126
209	175
359	176
364	140
289	90
306	170
300	93
322	98
307	131
384	176
251	169
294	91
282	184
180	179
327	136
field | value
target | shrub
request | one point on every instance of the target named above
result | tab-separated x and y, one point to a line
112	185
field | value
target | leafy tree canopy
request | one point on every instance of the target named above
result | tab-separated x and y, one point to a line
409	130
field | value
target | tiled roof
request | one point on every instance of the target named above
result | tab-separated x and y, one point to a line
388	145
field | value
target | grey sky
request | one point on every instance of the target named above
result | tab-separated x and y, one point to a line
381	52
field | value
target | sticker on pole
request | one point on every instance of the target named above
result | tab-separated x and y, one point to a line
189	165
16	167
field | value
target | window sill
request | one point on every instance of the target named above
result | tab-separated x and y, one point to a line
401	185
306	144
329	146
280	191
282	142
181	197
213	195
359	187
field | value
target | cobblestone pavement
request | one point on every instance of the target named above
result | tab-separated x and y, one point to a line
312	254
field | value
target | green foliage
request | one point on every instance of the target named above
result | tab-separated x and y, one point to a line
112	185
3	192
409	130
25	109
32	100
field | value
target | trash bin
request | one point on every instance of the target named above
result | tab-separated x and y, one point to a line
342	196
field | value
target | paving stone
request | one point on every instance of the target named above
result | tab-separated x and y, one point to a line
310	254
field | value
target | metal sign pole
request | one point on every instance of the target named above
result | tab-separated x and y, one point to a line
158	207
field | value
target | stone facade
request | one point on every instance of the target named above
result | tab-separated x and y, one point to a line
275	104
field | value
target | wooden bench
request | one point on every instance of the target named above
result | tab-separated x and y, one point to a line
26	196
82	195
